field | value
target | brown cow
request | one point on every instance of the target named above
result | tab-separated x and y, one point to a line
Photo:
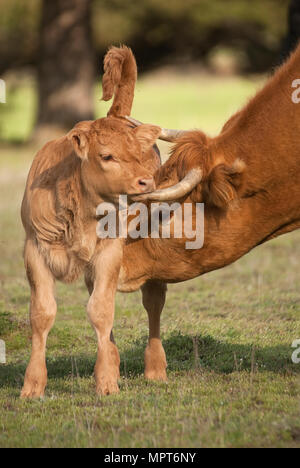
250	184
69	178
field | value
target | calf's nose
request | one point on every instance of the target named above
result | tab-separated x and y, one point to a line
145	185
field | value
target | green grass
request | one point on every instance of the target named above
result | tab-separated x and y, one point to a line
227	335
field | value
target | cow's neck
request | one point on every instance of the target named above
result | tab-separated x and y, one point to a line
266	135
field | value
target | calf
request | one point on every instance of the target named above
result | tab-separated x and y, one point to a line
96	161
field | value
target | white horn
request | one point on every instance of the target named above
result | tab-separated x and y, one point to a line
171	135
166	134
184	187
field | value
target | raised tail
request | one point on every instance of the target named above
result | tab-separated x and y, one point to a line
120	75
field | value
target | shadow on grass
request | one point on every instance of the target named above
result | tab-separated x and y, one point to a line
184	353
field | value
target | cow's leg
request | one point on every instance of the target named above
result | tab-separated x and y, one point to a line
101	309
42	315
154	296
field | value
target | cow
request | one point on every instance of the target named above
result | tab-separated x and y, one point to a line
69	177
248	177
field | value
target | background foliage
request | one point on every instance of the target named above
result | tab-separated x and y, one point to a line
158	31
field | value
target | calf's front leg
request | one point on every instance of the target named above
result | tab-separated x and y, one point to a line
101	307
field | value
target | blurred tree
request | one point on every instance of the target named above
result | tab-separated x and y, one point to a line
182	31
66	64
158	32
19	28
294	29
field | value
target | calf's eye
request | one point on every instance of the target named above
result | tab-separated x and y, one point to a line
107	158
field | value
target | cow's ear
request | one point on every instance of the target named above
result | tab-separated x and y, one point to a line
223	184
80	142
147	136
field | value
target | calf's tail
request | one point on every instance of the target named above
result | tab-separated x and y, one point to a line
120	75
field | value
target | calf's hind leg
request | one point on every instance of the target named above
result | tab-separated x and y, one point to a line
42	315
154	296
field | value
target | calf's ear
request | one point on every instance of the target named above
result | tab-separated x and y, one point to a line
147	136
80	142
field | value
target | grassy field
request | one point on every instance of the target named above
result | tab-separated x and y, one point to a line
227	335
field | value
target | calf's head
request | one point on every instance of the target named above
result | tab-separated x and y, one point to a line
112	154
116	157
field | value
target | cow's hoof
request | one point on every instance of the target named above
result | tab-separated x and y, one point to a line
107	387
155	362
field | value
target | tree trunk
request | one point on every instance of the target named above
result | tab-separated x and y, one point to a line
294	24
66	69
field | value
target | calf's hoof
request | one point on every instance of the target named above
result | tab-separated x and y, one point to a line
35	383
159	375
32	393
106	386
33	389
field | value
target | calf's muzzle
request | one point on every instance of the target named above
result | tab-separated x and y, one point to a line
146	185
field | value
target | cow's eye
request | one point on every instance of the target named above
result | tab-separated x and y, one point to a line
109	157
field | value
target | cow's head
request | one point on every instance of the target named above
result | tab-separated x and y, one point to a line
115	157
212	179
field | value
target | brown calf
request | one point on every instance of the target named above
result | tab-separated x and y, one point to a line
68	179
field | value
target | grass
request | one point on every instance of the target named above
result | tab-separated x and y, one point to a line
227	335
